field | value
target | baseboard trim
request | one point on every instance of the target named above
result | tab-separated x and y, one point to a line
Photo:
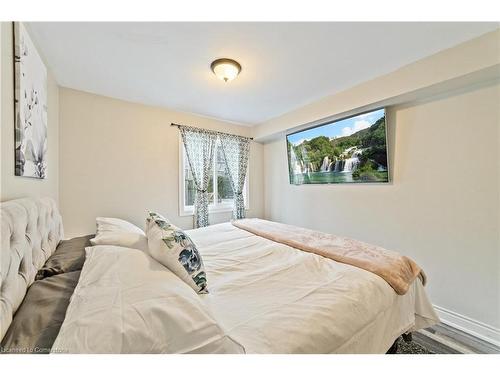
468	325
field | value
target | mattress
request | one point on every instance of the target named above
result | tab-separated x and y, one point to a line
273	298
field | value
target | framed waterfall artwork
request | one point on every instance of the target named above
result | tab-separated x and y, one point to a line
30	102
349	150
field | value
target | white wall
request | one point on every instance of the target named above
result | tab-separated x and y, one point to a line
442	207
120	159
12	186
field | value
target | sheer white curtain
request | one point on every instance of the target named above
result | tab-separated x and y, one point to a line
236	150
199	146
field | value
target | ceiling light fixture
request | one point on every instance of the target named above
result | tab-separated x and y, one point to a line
226	69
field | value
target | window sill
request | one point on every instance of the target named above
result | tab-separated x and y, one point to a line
210	211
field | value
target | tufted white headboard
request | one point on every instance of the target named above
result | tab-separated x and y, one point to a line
31	231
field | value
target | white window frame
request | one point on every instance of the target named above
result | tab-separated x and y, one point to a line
214	207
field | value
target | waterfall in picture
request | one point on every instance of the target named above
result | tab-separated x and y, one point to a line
294	163
325	164
357	153
350	164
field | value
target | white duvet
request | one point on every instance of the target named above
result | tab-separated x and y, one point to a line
271	298
127	302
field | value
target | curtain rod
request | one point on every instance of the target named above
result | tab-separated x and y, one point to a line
213	131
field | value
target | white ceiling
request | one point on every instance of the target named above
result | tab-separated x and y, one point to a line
284	65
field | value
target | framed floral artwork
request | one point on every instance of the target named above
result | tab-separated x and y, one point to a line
30	97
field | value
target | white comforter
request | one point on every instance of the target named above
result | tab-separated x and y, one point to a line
264	297
127	302
272	298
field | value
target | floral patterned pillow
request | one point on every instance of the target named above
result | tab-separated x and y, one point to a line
173	248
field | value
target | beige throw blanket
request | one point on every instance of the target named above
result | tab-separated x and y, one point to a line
399	271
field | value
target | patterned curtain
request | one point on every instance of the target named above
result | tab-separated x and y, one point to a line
199	146
236	150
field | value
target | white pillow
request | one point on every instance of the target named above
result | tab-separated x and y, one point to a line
113	224
173	248
118	232
126	302
133	240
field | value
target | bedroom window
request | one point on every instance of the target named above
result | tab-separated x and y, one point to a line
219	188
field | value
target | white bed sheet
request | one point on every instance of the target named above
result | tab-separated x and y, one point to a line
272	298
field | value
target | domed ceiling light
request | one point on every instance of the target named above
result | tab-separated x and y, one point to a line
226	69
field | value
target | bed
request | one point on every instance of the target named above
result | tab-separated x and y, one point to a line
266	296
